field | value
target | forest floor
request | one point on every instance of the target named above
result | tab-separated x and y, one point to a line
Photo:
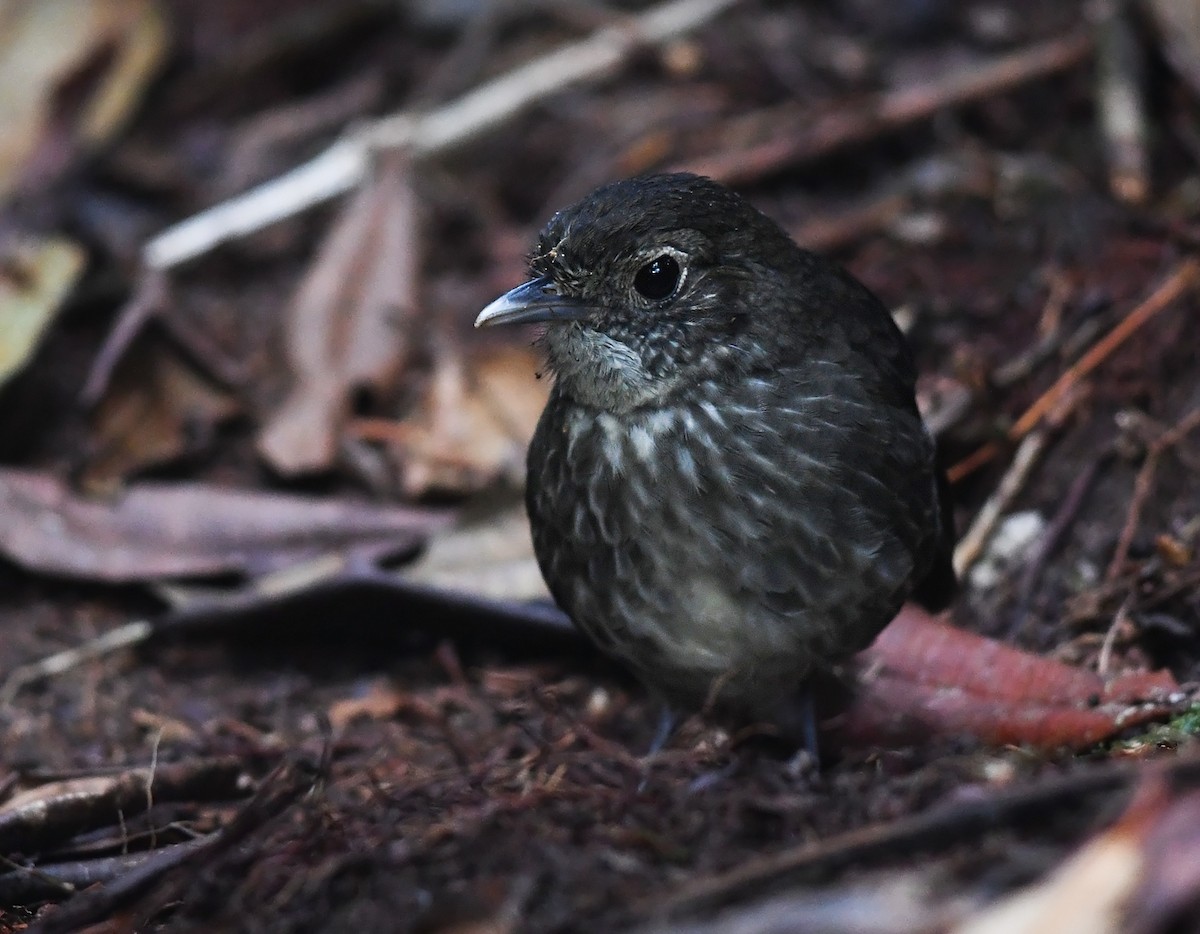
295	745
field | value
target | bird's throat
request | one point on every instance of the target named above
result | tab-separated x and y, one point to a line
599	371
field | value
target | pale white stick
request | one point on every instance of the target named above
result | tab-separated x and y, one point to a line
344	164
971	546
122	637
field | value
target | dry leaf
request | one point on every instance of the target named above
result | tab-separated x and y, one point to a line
35	277
156	530
346	325
1168	889
923	678
489	557
381	701
47	44
473	424
1138	876
157	408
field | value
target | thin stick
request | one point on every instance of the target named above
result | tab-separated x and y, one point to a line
1014	480
890	110
825	234
1063	518
942	826
971	545
1119	622
1142	486
1051	339
344	164
149	297
120	638
1178	283
1121	104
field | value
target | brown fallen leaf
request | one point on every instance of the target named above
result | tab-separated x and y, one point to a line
488	555
157	408
156	530
1168	887
107	51
35	276
1140	875
346	325
382	700
924	678
473	423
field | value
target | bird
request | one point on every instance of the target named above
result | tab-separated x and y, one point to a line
730	489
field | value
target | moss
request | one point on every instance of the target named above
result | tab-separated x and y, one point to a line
1173	733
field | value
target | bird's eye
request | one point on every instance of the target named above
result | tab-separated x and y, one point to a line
658	279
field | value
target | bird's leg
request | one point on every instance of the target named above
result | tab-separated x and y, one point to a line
807	712
795	719
668	720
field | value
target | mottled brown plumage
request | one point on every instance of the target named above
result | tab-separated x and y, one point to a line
730	486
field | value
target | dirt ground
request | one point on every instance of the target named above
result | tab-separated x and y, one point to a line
366	755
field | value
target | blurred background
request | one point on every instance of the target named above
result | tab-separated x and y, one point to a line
243	406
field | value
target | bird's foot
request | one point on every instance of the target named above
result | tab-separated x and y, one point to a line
808	726
796	722
668	721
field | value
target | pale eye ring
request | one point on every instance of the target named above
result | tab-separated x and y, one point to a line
659	279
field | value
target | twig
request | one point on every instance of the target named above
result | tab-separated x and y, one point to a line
122	637
49	885
1120	100
149	298
890	111
41	818
1120	621
260	138
1063	518
1178	283
1141	491
26	884
1013	481
1142	486
942	826
971	545
278	791
344	164
832	232
1050	339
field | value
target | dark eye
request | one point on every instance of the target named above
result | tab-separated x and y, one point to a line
658	279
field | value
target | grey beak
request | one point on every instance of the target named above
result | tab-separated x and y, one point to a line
536	300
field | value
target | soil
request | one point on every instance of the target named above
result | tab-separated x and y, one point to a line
472	783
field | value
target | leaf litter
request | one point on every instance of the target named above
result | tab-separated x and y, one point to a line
462	769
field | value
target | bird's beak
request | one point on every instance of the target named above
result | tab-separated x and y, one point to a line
536	300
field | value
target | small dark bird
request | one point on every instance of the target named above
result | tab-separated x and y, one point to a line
730	488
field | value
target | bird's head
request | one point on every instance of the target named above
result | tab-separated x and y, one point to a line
645	285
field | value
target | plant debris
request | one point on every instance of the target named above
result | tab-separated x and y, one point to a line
277	655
